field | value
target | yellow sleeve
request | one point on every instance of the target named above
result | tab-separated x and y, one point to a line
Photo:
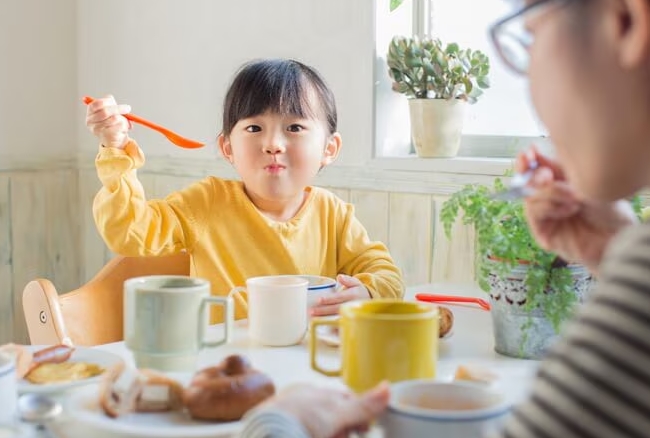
132	226
367	260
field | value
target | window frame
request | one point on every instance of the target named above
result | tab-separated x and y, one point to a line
479	147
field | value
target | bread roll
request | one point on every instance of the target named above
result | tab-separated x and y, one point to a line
119	390
126	389
159	393
227	391
446	320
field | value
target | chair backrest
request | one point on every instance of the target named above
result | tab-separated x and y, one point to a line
92	314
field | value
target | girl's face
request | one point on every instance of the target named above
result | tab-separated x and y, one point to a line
277	156
589	82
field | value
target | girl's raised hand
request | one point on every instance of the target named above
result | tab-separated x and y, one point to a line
104	118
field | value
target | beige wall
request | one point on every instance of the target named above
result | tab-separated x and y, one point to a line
172	60
38	80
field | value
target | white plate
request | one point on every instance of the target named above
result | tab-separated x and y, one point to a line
83	406
104	359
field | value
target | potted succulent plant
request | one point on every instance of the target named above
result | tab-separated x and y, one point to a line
532	291
439	82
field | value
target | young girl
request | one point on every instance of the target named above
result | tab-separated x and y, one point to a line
279	130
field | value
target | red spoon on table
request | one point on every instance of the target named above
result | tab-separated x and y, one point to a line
178	140
435	298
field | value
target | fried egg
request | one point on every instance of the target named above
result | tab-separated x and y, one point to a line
63	372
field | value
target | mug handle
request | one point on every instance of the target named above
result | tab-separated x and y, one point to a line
313	346
236	293
228	323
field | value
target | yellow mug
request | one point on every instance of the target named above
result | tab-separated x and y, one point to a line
382	339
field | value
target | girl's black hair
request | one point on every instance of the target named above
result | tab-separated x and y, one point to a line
283	86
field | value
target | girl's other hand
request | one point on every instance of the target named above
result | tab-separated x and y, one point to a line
353	289
104	118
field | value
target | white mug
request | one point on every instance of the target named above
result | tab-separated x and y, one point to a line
165	319
426	408
276	309
8	389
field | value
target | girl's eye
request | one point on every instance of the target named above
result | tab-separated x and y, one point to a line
253	128
295	128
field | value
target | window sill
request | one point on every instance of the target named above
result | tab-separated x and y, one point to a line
456	165
437	176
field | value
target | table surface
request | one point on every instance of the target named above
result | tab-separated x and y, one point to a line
470	343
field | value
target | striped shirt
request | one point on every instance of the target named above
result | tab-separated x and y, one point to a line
272	423
595	382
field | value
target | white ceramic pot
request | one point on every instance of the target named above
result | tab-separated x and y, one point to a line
426	408
437	126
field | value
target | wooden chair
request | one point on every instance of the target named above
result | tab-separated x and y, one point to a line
92	314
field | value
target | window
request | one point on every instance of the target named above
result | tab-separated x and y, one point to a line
499	124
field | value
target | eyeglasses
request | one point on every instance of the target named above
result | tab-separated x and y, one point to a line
511	37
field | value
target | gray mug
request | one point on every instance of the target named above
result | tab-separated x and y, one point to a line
165	319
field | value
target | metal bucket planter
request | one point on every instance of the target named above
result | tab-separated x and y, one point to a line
517	332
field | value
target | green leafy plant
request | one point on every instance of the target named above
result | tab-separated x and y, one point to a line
504	241
423	68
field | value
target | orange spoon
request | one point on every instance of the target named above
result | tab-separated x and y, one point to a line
171	135
435	298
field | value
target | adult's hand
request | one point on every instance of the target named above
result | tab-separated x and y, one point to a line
577	230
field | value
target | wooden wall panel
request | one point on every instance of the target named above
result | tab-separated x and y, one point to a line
410	235
92	245
453	258
163	185
6	273
344	194
29	225
63	239
44	234
372	209
148	181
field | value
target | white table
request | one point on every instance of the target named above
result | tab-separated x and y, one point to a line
470	342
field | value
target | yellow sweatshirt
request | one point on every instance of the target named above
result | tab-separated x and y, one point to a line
228	239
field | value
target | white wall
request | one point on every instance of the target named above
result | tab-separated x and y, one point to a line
172	60
38	78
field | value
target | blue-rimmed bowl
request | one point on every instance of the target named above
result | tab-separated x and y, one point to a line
318	282
318	287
